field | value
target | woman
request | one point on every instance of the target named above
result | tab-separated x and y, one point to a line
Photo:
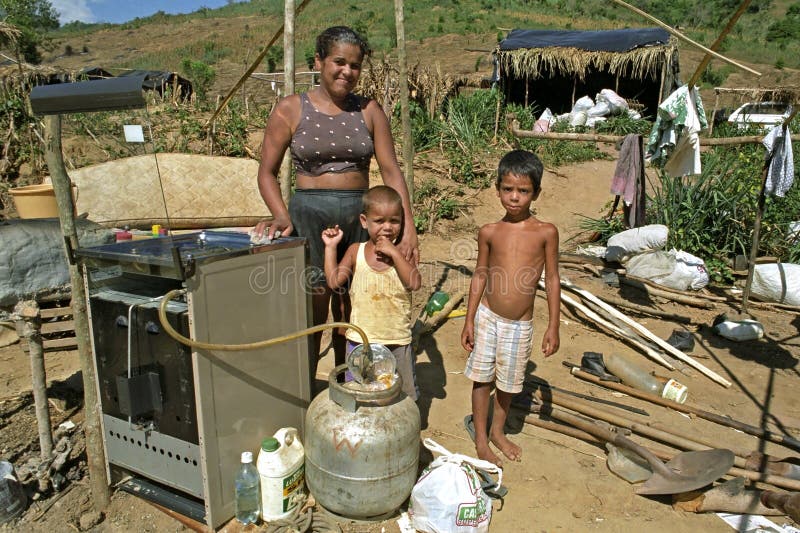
332	135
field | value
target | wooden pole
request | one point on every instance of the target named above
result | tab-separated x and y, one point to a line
95	454
721	37
252	67
613	139
684	38
29	326
751	267
405	110
285	178
722	420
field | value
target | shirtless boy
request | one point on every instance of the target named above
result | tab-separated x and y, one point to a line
498	331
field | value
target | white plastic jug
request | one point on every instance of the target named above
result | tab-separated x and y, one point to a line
281	465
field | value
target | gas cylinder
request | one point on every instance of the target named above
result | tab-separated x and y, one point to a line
362	448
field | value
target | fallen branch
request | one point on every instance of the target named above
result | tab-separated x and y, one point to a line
647	334
651	283
680	298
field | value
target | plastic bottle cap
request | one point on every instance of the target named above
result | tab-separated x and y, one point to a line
247	457
270	444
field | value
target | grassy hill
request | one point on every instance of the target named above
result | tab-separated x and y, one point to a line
450	32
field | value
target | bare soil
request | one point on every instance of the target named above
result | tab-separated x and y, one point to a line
561	483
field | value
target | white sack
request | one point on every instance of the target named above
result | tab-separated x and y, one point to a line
777	282
635	241
675	269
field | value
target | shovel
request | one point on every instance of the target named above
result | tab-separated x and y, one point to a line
684	472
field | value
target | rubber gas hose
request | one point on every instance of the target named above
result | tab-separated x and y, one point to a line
162	316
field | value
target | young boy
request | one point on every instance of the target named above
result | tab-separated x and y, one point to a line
498	330
381	280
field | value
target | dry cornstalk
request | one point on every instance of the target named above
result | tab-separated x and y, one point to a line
647	334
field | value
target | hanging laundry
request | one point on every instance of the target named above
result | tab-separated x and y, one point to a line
629	180
674	141
780	174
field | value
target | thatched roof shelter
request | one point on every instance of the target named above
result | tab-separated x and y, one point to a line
552	68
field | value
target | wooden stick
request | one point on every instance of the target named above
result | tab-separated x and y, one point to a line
647	334
676	291
684	38
688	408
652	291
571	431
721	37
251	69
29	324
648	310
634	340
614	139
95	452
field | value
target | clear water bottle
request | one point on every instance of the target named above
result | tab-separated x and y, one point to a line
248	491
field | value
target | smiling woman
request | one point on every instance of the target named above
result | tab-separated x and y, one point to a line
332	135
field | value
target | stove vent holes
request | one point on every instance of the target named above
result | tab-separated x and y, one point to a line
156	450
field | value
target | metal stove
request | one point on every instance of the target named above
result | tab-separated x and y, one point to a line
177	419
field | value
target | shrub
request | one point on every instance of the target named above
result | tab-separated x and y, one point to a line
200	74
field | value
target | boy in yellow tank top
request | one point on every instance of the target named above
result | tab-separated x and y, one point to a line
381	280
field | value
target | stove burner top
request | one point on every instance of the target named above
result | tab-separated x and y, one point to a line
188	248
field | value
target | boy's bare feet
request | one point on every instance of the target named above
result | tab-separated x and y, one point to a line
509	449
486	453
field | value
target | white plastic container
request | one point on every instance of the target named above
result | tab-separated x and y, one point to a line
740	330
281	465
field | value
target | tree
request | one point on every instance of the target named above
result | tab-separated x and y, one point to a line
34	18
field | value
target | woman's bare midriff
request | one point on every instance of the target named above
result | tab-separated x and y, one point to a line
341	181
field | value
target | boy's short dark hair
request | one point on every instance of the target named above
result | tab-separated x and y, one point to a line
381	194
521	163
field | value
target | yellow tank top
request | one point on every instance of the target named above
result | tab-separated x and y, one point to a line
381	306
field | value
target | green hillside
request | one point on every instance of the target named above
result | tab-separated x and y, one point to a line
769	33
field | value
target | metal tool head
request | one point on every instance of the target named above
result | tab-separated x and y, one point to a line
688	471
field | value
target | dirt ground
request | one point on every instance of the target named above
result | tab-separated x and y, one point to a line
561	483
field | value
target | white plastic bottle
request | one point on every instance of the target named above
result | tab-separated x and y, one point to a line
248	496
281	466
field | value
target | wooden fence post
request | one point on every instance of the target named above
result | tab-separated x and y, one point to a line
29	325
95	454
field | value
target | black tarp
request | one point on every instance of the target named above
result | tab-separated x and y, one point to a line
159	81
592	41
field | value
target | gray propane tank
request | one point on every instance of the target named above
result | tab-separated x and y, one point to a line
362	449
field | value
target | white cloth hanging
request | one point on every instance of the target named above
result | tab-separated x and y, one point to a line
780	174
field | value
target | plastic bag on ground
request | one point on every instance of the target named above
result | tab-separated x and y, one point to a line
675	269
635	241
777	282
448	495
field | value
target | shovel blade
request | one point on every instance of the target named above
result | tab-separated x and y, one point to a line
690	471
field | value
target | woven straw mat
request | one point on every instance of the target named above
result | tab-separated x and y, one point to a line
195	187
